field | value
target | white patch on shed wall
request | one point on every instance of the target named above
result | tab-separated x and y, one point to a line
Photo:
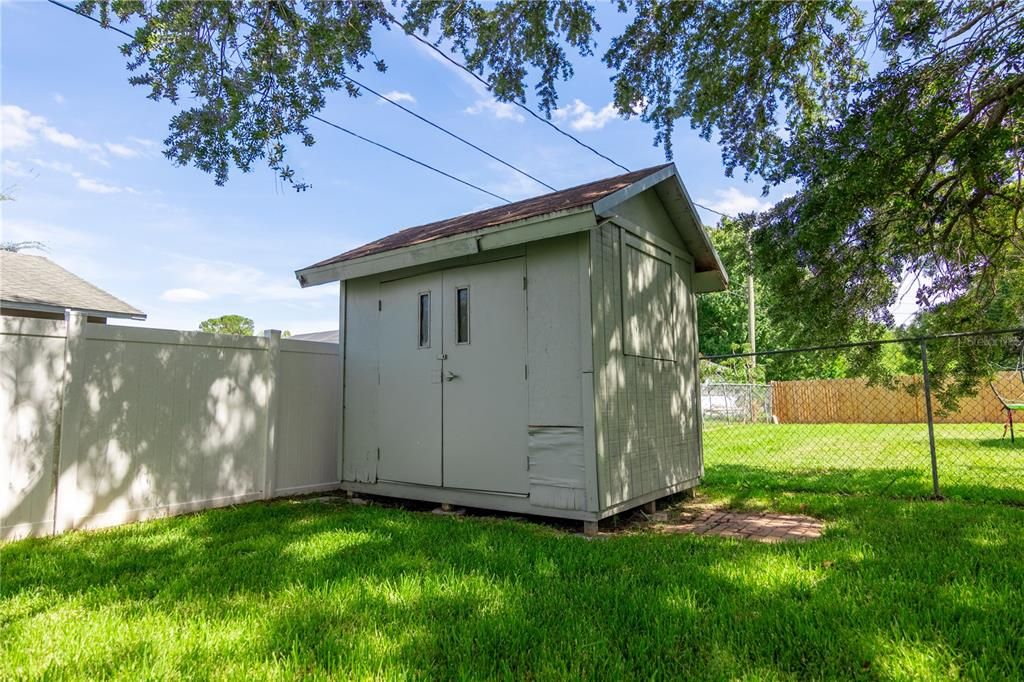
556	467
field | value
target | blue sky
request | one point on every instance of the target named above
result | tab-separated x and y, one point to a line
82	156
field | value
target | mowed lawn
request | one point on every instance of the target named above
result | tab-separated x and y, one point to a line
974	462
896	589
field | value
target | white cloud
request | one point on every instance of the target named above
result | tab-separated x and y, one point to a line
14	169
223	278
400	96
484	103
581	117
732	201
184	295
97	187
512	185
17	127
503	110
21	128
121	150
54	236
84	183
58	166
58	98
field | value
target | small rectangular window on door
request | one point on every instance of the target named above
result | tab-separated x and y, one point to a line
462	315
424	320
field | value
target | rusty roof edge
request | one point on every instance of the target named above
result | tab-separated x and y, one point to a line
315	275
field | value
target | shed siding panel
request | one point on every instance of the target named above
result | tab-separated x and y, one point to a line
553	342
648	438
646	210
556	467
360	450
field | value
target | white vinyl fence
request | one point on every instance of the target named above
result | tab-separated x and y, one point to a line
103	425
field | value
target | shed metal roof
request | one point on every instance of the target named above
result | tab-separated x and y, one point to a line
37	283
574	197
601	198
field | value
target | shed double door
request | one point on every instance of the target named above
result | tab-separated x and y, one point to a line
452	397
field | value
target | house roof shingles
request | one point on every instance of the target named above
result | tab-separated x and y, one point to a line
574	197
38	281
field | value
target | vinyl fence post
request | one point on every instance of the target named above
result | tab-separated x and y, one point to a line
66	495
273	337
931	420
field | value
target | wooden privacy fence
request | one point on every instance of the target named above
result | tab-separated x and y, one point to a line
104	425
854	401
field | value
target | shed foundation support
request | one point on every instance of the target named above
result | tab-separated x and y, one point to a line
590	528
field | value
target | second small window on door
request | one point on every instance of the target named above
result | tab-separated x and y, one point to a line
462	315
424	320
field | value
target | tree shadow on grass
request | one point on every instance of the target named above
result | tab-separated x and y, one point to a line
290	589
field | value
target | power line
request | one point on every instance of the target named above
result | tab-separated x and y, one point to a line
372	91
91	18
487	85
409	158
429	122
352	133
525	108
448	132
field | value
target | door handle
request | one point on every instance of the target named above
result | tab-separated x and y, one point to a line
449	375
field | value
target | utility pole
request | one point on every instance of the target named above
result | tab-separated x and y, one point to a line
751	306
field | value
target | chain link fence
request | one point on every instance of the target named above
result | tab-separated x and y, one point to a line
921	417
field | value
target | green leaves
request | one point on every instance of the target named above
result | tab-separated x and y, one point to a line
912	165
228	324
252	73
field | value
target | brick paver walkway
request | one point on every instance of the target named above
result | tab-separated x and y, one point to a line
762	527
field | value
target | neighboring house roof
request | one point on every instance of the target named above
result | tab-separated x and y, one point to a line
323	337
602	196
37	283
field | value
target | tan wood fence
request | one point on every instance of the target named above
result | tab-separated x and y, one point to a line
854	401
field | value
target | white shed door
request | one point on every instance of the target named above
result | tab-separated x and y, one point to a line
452	399
485	409
409	399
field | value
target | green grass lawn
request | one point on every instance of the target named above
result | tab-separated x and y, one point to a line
895	589
973	461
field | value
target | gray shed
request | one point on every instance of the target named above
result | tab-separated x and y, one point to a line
538	357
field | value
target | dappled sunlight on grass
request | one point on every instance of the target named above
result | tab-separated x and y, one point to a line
893	589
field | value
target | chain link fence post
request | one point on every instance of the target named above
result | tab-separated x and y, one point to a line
931	419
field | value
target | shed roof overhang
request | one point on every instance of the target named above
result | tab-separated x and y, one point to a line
710	274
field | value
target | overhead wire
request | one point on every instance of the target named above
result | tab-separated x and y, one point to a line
447	132
346	130
408	158
459	65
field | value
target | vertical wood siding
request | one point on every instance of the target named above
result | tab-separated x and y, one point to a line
648	433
